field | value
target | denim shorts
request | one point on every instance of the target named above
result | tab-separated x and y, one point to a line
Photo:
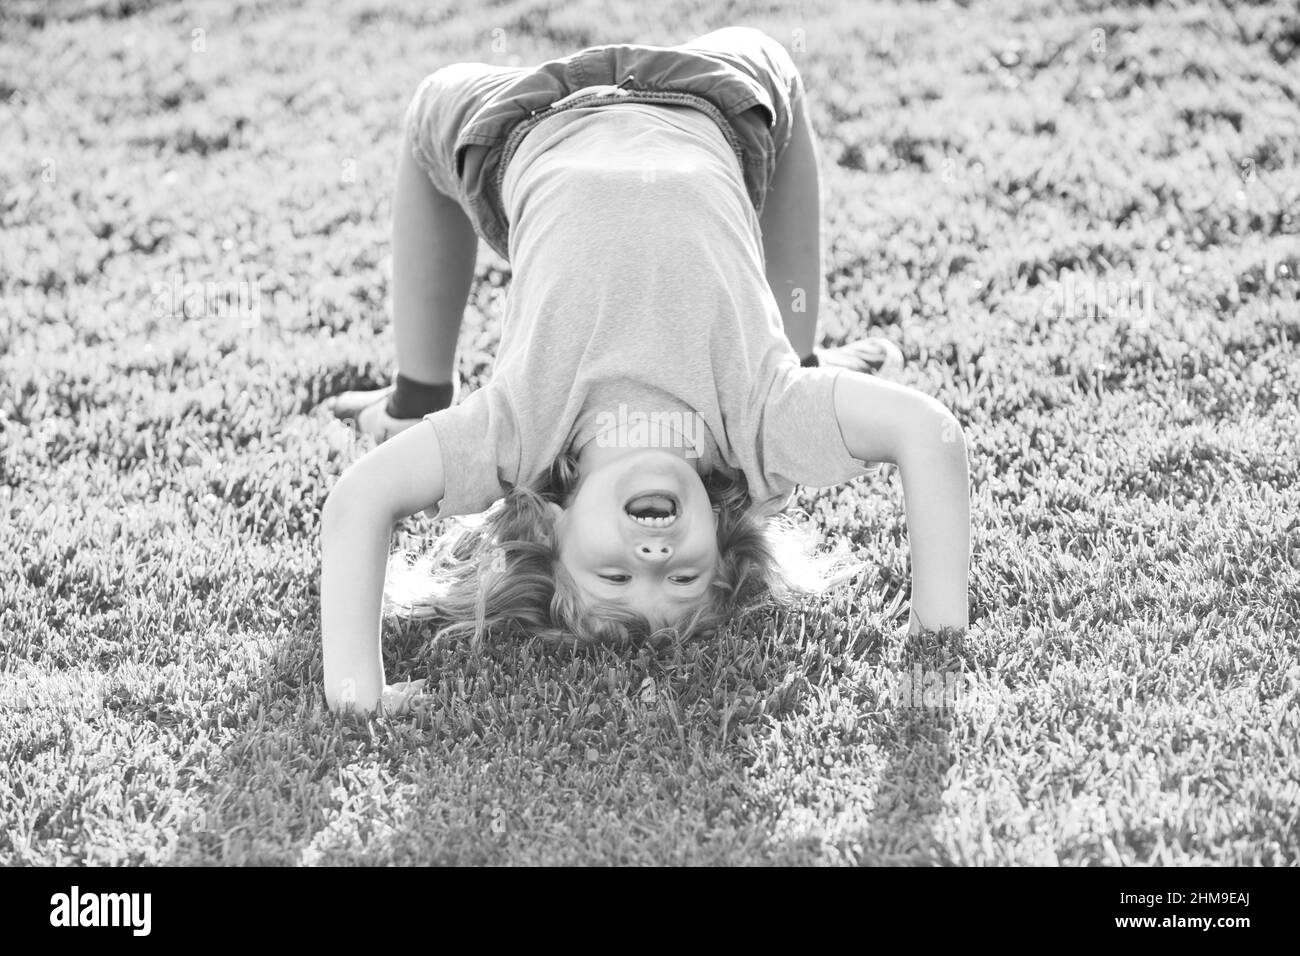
466	120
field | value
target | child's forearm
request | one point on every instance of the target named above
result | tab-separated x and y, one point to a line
354	555
887	422
937	499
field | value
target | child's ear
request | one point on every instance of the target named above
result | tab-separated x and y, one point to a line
556	511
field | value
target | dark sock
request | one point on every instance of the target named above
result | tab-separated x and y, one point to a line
411	399
811	361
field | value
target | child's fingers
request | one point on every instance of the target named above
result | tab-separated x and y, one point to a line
398	698
406	688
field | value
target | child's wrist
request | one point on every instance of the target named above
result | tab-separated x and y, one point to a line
353	693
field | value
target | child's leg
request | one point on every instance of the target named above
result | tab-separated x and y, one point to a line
434	248
791	224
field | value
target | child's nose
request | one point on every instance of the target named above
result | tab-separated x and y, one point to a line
656	552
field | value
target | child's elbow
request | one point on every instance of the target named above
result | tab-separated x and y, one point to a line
935	427
347	500
932	443
950	431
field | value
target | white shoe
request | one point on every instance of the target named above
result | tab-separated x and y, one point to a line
874	356
366	412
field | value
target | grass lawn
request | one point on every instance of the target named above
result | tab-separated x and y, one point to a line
1081	223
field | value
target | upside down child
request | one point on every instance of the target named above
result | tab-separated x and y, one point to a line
660	209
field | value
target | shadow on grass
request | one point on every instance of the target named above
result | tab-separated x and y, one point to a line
918	740
758	747
875	729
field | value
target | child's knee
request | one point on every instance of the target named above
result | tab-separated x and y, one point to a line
430	101
757	44
434	117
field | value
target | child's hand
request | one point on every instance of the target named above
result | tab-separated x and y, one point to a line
397	698
914	626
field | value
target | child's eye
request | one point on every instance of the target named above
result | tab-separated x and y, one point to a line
616	578
684	578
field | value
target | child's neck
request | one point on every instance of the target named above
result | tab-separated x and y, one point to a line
594	455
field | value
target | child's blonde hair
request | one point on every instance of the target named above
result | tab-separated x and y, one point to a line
501	572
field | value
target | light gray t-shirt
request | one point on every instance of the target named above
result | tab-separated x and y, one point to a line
639	301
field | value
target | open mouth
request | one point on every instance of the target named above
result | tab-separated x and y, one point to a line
653	509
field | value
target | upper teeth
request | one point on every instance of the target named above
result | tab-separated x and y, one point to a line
663	522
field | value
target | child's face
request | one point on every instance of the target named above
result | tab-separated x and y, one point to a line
640	533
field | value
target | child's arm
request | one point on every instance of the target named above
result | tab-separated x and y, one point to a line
884	421
396	479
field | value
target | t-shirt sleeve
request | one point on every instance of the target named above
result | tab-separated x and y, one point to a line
802	441
478	439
